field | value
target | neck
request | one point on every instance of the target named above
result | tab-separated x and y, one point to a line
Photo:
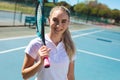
55	38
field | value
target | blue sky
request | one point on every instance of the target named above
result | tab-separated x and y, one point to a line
113	4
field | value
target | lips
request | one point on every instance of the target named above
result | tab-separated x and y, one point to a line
58	30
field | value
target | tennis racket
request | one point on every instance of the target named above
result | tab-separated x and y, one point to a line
40	26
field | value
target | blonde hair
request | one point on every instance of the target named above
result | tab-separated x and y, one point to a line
67	40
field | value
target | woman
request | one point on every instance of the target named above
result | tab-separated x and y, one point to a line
59	48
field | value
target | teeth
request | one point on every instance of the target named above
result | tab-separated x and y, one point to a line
57	30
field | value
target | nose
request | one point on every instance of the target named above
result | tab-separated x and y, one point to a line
59	24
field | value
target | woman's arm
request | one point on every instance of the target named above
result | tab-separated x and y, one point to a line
71	71
29	68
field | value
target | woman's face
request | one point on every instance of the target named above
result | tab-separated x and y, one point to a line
59	22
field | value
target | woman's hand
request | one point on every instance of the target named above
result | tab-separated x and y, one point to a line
44	52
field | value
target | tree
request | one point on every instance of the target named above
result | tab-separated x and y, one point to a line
63	3
116	15
80	8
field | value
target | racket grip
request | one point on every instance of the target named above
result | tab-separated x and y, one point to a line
46	62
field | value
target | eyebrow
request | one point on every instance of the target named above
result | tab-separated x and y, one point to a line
62	19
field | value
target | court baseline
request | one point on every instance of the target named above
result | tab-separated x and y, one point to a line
79	50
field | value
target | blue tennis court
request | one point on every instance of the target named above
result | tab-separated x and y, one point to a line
98	55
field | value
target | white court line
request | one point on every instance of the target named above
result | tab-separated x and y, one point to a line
87	33
70	31
14	49
98	55
10	50
79	50
17	37
82	29
28	36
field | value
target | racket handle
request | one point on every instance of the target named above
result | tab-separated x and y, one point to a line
46	62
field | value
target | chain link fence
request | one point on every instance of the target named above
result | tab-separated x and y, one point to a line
14	13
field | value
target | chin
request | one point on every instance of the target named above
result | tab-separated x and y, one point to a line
58	32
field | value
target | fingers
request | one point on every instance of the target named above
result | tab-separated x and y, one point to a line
44	48
44	52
